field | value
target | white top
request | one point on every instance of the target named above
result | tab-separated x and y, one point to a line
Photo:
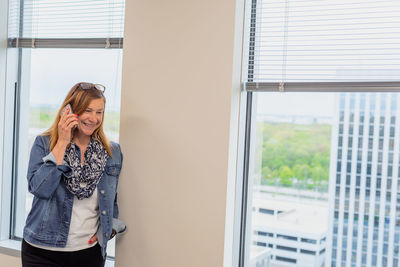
84	224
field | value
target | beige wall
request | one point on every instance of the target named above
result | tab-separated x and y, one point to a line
175	129
9	261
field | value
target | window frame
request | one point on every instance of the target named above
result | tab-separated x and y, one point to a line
11	101
245	227
249	96
7	72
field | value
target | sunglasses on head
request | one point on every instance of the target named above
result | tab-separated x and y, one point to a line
86	86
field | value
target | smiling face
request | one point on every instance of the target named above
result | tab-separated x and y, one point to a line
92	117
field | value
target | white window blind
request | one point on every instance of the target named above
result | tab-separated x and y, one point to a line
324	41
66	19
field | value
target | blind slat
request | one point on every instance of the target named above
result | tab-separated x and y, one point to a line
66	19
330	40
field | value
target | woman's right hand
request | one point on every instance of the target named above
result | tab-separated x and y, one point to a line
65	125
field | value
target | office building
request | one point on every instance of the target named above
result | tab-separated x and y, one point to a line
295	232
364	207
260	256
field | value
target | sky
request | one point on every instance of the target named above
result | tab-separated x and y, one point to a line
307	104
52	73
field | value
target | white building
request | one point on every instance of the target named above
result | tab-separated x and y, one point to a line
260	256
364	205
295	232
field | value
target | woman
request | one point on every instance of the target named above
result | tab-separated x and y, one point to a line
73	174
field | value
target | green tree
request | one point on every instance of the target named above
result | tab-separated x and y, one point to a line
317	174
286	176
301	172
293	151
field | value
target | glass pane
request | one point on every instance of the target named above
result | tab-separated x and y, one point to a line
324	179
47	76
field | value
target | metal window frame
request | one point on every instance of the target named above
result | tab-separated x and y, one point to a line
376	86
244	136
109	43
244	207
15	130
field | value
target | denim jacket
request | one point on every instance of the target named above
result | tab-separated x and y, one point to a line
48	221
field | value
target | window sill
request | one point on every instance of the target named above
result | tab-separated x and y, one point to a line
10	247
13	248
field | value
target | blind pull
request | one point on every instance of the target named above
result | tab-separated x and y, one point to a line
281	87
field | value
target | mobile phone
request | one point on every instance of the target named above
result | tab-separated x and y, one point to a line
65	108
69	112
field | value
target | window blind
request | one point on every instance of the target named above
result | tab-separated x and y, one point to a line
66	19
307	41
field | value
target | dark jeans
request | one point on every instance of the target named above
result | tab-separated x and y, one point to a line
37	257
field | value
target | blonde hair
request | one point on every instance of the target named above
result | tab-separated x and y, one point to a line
79	99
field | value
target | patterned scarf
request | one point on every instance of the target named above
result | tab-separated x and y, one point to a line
85	178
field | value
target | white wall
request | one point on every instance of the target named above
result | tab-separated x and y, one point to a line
175	129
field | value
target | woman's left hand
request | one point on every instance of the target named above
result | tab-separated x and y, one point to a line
113	233
93	239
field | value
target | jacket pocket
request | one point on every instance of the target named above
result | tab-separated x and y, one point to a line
113	170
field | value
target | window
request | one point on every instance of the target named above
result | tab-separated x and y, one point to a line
261	244
322	128
305	251
266	211
52	46
261	233
285	259
311	241
287	237
286	248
